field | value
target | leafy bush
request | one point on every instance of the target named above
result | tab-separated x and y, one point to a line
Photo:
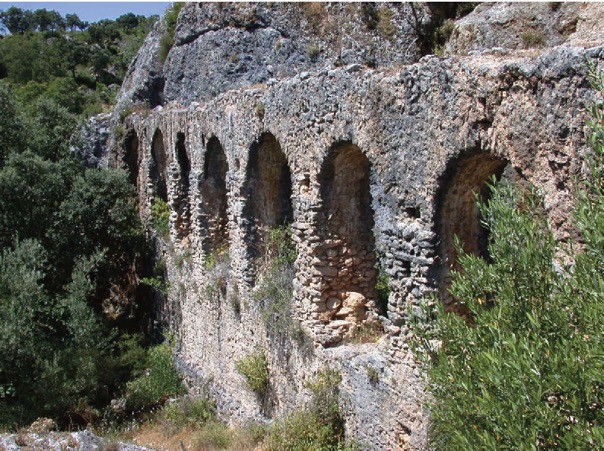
525	369
157	384
254	368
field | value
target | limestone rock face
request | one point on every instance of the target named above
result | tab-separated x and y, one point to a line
223	46
371	167
502	25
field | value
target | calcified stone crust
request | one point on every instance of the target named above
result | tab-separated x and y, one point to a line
368	166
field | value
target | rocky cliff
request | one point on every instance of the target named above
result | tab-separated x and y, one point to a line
327	118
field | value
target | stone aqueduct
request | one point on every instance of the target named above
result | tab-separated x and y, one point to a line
228	176
369	168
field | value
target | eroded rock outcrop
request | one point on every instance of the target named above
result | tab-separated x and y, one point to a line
371	168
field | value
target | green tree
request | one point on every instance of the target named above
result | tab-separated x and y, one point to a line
526	369
16	20
12	127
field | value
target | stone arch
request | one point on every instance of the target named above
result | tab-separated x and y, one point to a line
347	246
131	158
181	197
158	170
213	220
268	190
465	179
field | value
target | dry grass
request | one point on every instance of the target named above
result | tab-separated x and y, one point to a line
212	436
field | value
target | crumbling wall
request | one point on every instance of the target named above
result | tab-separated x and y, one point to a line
374	170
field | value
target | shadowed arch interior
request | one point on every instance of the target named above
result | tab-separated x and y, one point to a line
347	253
182	195
465	181
131	156
158	170
268	190
213	220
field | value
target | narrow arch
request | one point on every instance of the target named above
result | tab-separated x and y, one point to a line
213	220
131	156
181	198
465	180
268	191
347	254
158	170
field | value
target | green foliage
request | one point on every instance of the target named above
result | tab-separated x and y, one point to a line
157	384
254	367
12	126
382	286
525	370
65	59
70	238
318	426
313	51
167	40
384	24
188	411
274	293
160	215
165	44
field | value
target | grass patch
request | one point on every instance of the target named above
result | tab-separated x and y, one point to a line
532	39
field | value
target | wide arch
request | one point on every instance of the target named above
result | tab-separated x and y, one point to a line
464	182
213	220
158	169
268	191
131	158
347	254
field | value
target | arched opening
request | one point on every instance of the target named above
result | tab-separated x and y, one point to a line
213	219
131	157
347	250
181	198
268	191
158	172
464	182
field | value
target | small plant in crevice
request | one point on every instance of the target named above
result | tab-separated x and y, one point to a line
385	26
313	51
260	110
254	367
382	286
160	217
373	375
217	264
532	39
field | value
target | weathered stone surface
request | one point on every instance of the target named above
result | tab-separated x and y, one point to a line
499	26
62	441
383	166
